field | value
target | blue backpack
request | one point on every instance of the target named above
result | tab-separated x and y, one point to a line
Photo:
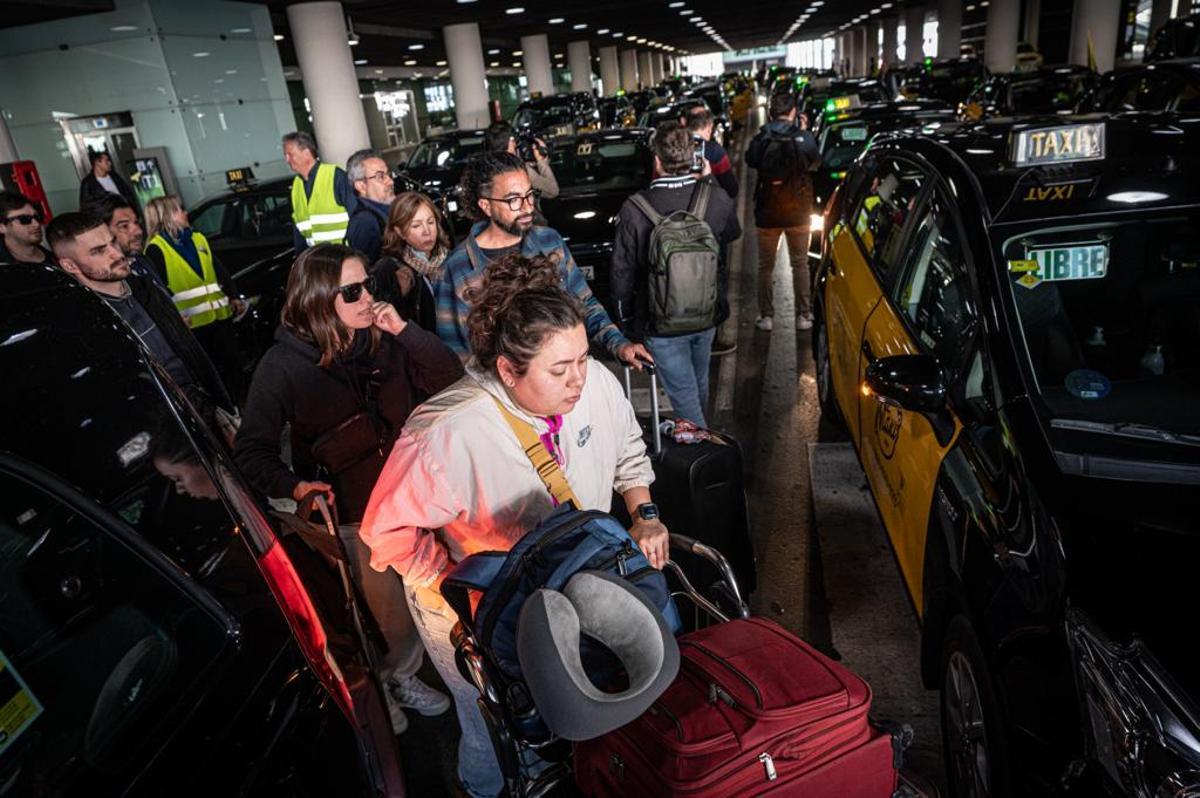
566	542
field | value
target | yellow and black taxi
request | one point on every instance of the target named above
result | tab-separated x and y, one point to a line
1008	325
817	96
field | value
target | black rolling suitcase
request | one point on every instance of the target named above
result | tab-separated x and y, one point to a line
700	492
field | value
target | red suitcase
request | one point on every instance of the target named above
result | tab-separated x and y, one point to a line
753	711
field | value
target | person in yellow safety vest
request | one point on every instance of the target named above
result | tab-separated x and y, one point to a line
322	197
199	286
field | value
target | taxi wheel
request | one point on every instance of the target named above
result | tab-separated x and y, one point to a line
976	754
825	395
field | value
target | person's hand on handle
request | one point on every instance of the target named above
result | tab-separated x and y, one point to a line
302	489
634	355
387	318
653	539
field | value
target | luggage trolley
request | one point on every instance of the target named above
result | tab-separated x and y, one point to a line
532	760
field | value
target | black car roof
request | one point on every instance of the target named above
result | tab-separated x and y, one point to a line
1186	66
455	135
1044	71
272	186
1143	152
552	100
898	109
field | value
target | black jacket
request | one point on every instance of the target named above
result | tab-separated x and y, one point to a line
90	188
787	200
290	387
160	308
631	248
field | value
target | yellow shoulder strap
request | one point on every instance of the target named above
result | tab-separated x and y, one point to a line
543	463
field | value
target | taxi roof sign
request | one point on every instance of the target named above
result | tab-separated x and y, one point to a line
1062	144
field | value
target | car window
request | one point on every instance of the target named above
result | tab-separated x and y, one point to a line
210	222
934	295
1140	92
98	644
265	216
880	219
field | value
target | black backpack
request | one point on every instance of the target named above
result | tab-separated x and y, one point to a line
782	192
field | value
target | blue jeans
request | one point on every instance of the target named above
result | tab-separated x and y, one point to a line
682	362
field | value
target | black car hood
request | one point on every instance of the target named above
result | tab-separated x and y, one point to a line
446	176
563	214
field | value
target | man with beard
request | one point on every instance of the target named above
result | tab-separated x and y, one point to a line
86	249
497	186
123	223
368	173
21	230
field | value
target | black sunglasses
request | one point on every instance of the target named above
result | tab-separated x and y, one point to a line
352	292
24	218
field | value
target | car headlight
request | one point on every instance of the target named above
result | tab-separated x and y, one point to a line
1140	727
816	222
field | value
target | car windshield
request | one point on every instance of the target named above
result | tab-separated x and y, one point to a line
1109	314
538	118
1048	93
445	152
601	165
841	144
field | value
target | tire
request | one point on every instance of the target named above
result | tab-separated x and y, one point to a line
825	397
973	741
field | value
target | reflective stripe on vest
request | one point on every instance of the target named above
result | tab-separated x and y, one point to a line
319	217
198	298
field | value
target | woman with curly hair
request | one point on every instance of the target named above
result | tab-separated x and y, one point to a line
459	481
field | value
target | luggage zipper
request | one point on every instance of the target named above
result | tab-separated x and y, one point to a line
758	699
656	707
768	765
716	691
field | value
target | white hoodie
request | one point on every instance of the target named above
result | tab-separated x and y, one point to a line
458	482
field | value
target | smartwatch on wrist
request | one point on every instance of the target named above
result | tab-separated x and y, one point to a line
648	511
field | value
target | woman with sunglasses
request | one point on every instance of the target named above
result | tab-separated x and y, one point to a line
344	374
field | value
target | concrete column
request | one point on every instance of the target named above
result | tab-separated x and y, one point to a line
535	57
645	74
8	148
579	59
327	69
1160	12
872	33
610	70
1100	19
629	70
889	40
656	67
1000	40
914	35
1033	15
464	53
949	16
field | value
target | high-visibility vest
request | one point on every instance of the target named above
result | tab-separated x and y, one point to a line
319	218
198	297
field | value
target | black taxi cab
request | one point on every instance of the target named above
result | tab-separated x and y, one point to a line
1008	325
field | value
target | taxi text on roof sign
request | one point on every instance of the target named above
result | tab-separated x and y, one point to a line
1064	144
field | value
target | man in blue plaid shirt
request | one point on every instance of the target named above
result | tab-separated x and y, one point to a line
498	185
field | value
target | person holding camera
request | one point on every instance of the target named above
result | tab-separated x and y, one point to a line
344	374
530	149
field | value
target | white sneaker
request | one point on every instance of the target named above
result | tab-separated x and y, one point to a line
804	321
415	694
399	719
765	323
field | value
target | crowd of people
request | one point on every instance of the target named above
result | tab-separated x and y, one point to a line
407	372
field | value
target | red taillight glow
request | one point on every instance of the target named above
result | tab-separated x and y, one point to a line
306	624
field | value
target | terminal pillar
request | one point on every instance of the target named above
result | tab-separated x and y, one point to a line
579	59
890	25
8	148
330	83
464	53
950	19
914	35
629	70
1000	40
610	70
645	75
656	67
1160	12
872	34
1096	21
535	57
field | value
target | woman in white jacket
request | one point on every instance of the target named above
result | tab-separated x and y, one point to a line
458	480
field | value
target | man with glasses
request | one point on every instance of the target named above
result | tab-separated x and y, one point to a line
375	188
21	230
496	187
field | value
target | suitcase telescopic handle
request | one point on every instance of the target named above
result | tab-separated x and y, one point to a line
655	414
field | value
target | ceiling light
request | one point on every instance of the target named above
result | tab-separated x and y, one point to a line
440	63
677	4
517	53
514	10
360	61
278	37
580	26
122	28
494	51
494	64
464	2
696	19
416	47
200	54
410	62
557	21
602	31
517	64
239	30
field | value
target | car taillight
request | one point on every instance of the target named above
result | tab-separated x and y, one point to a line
306	624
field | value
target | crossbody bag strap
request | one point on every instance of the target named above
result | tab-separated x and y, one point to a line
543	463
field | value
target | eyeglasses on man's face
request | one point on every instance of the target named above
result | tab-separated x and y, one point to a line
518	201
353	292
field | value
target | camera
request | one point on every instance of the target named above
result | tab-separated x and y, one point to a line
527	146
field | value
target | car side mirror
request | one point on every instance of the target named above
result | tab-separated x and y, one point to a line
916	383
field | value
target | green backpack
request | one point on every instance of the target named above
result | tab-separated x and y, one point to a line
683	265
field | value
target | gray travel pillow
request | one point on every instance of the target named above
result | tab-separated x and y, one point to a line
617	615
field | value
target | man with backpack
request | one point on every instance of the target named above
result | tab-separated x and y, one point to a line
783	152
668	273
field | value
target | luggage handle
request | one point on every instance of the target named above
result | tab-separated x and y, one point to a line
692	546
655	415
